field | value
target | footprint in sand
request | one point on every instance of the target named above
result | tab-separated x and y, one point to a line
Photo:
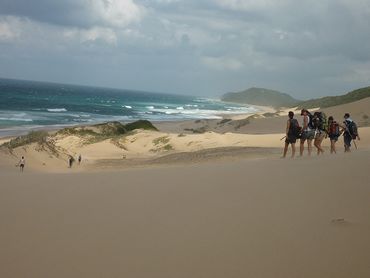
339	221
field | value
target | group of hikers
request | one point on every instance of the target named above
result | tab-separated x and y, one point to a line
316	127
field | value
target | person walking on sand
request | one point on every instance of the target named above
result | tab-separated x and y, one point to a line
292	131
79	159
22	163
350	132
333	133
70	161
320	125
308	132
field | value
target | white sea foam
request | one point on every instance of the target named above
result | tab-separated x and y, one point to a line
16	119
57	110
150	107
127	106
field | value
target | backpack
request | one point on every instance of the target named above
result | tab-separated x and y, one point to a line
334	129
352	129
294	128
310	121
323	122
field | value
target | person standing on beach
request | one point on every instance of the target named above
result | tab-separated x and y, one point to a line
292	129
307	132
350	132
22	163
79	159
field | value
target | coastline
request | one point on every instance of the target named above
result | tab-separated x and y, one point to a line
257	135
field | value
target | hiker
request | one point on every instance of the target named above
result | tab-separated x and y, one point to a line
22	163
79	159
292	133
308	132
320	125
350	132
333	133
70	161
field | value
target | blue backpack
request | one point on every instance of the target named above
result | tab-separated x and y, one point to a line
352	129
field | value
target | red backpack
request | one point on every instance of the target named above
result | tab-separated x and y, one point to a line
334	129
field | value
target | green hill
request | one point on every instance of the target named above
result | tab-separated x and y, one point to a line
261	96
336	100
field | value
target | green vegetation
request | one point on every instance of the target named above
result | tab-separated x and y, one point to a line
106	130
199	130
264	97
336	100
161	144
260	96
270	115
141	124
32	137
41	138
161	140
91	134
224	121
78	131
240	123
168	147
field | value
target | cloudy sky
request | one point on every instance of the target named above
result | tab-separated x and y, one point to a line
198	47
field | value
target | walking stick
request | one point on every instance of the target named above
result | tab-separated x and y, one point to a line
283	138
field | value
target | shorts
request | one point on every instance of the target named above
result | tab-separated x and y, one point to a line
290	139
333	138
308	134
320	135
347	139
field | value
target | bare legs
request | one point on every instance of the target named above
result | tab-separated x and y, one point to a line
286	149
317	144
332	146
309	147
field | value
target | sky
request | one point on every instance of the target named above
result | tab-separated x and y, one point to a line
306	48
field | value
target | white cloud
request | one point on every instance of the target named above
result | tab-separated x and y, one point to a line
117	13
9	28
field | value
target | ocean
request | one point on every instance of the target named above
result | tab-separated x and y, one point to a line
29	105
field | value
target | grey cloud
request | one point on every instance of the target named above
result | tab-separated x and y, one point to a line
76	13
66	12
303	48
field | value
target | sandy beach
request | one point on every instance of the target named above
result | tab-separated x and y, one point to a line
215	204
247	218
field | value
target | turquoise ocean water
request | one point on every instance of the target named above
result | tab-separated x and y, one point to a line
27	105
